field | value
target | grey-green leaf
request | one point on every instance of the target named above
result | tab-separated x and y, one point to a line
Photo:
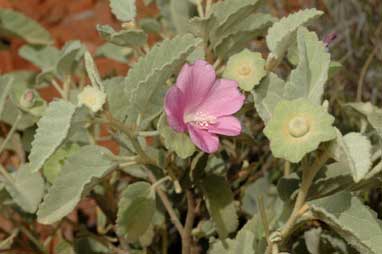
24	27
353	150
309	77
43	57
136	211
178	142
220	204
88	163
116	97
350	218
126	38
26	188
53	127
124	10
282	33
70	56
267	95
146	81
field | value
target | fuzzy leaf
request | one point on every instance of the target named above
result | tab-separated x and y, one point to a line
136	211
180	14
43	57
178	142
116	98
126	38
353	150
124	10
88	163
71	53
311	74
146	81
282	33
150	25
228	13
5	87
248	29
352	220
251	23
26	189
220	204
53	128
92	70
267	95
24	27
115	52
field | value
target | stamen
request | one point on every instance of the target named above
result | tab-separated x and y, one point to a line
200	119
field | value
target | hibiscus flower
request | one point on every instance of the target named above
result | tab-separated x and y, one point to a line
203	106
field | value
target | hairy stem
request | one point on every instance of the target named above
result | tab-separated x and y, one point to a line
308	175
186	236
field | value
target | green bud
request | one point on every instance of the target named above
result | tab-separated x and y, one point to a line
28	99
247	68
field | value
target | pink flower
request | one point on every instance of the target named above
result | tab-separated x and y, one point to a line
203	106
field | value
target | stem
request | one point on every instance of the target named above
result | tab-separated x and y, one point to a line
167	204
58	88
287	168
33	239
10	133
308	175
208	7
148	133
200	8
186	236
363	74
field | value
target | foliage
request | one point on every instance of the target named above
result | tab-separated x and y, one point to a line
298	179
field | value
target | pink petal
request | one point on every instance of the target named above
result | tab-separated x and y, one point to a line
206	141
226	125
174	108
223	99
195	81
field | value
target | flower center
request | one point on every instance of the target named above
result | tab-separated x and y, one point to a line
298	127
245	70
200	120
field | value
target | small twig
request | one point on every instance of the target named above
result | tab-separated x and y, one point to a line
167	204
58	88
11	132
186	236
148	133
363	73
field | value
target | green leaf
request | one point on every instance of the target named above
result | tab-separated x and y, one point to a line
52	130
352	220
136	211
180	13
70	56
228	13
283	32
26	188
92	70
124	10
253	24
241	34
88	163
43	57
146	81
116	97
112	51
178	142
220	204
53	165
309	78
353	150
247	240
24	27
150	25
125	38
267	95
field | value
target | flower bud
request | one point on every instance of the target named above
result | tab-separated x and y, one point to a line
28	99
92	97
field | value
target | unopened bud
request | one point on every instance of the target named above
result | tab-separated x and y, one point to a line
28	99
